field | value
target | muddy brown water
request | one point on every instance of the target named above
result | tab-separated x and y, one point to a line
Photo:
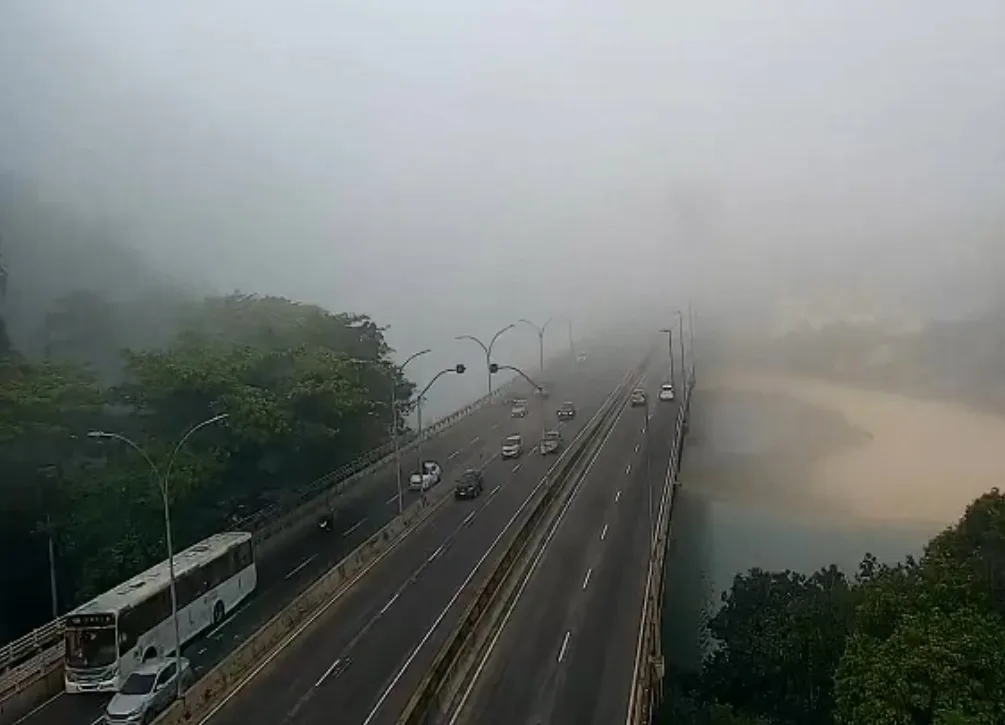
783	472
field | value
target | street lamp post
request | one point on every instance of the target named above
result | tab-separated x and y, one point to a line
669	333
493	368
680	341
394	418
163	483
540	337
487	349
457	369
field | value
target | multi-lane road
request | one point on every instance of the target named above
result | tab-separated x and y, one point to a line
566	650
361	660
459	534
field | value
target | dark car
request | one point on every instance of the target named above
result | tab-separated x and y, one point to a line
471	484
567	411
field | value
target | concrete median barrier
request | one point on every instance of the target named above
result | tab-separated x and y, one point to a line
261	648
455	660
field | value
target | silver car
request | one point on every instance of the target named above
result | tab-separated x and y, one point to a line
147	692
512	446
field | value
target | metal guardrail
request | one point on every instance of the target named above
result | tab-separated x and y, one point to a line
649	667
34	654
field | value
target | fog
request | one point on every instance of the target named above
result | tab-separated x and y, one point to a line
448	166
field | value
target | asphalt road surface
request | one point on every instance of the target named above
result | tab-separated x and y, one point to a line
361	511
362	659
566	651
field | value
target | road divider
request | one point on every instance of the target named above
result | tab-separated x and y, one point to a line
456	659
212	691
31	667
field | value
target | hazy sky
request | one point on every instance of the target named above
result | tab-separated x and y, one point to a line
447	166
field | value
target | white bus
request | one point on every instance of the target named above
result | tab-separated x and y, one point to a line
109	636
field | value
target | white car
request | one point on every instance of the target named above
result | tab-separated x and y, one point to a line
429	477
148	691
666	391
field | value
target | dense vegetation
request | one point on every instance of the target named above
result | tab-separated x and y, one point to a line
305	391
920	642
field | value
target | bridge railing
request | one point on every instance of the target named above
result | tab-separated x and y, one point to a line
649	668
40	651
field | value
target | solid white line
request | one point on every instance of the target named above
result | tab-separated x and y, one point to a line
354	527
617	496
565	646
301	565
586	581
467	580
453	455
533	567
645	602
436	553
603	533
390	602
42	707
327	672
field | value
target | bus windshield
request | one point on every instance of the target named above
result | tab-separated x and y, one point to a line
90	647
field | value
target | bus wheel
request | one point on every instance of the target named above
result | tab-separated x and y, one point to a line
150	654
218	612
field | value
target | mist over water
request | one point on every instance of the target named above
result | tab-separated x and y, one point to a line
781	472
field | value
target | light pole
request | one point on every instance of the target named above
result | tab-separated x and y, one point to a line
163	483
669	334
487	349
690	330
680	341
457	369
394	416
493	368
540	337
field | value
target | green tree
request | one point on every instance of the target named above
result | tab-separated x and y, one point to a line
779	637
937	667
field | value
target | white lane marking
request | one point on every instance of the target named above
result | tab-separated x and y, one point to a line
474	440
496	489
43	706
617	496
628	469
471	575
99	720
331	669
201	652
645	600
642	429
636	447
603	533
467	519
516	468
453	455
394	498
565	646
390	603
300	566
586	580
533	567
436	553
354	527
494	426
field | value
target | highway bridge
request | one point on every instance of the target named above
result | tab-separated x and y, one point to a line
569	645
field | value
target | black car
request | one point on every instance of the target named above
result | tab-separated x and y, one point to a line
471	484
567	411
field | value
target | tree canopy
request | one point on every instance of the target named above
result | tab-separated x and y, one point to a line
304	391
918	642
